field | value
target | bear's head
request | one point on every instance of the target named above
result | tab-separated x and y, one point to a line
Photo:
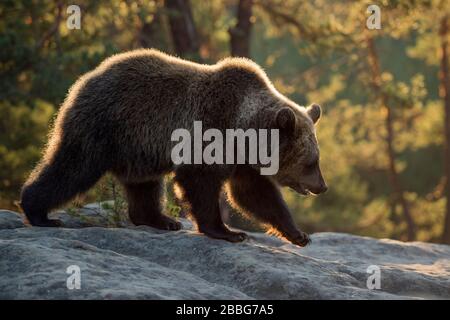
299	150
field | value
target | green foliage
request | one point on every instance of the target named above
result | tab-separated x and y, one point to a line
110	194
23	130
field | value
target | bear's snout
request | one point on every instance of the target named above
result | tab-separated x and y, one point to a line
322	188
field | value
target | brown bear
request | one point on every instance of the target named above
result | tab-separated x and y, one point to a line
119	118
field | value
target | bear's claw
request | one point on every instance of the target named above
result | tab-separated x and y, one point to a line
301	240
227	235
164	222
52	223
174	225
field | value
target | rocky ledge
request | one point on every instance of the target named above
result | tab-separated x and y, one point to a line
143	263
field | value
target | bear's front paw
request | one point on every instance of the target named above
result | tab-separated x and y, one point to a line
45	222
166	223
301	239
225	234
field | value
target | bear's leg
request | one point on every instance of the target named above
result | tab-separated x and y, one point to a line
200	193
56	182
255	194
144	205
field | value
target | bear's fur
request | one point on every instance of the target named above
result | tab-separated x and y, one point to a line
119	118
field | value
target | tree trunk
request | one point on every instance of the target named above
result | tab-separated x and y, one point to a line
182	27
241	32
444	92
390	136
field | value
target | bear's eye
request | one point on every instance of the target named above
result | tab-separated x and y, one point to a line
311	165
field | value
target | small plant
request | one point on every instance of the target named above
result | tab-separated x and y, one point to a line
74	211
111	198
171	205
173	210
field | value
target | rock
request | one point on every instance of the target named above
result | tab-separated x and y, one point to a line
10	220
145	263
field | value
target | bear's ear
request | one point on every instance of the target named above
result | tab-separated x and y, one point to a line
285	120
314	111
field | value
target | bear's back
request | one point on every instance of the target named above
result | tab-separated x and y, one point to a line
152	62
